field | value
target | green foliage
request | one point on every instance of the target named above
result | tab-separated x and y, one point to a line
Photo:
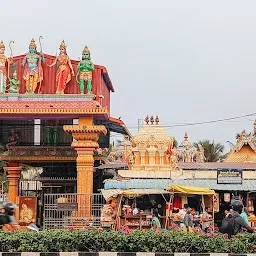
213	151
175	143
3	182
135	241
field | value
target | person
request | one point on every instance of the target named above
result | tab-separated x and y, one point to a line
135	210
182	214
188	222
65	69
7	220
245	216
234	223
206	219
156	225
228	210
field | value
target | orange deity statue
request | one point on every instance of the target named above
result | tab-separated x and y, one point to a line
3	70
65	69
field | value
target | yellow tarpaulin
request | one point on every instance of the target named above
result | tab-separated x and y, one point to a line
190	190
112	193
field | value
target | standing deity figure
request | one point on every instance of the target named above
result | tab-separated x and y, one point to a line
65	69
85	68
33	73
14	84
3	71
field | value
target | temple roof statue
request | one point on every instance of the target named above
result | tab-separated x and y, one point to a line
245	148
187	152
121	151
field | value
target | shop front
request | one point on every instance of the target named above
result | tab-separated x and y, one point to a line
226	187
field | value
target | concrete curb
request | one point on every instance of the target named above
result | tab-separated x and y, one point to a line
116	254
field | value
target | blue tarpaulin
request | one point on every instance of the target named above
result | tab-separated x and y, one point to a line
247	185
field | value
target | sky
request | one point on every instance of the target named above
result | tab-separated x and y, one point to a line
185	61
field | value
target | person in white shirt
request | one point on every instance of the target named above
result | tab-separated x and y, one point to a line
182	214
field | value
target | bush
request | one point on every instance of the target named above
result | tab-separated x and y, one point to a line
135	241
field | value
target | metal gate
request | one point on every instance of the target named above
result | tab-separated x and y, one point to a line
70	211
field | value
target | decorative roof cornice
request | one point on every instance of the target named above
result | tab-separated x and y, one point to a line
85	129
52	107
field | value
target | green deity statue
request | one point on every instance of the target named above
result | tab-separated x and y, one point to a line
52	133
84	74
14	84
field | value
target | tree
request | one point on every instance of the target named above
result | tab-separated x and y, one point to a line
213	151
175	143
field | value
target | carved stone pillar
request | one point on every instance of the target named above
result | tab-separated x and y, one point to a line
14	173
86	136
142	156
152	155
161	154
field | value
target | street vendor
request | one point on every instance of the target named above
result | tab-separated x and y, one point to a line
206	219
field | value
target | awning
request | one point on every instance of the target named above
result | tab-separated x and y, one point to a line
247	185
190	190
112	193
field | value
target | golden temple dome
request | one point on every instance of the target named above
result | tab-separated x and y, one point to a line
152	135
151	146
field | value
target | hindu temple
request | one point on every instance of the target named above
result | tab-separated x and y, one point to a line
152	152
55	112
245	148
155	162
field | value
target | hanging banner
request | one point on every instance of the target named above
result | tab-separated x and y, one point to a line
229	176
216	202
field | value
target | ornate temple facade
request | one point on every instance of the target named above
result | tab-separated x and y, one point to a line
244	151
155	163
54	114
153	149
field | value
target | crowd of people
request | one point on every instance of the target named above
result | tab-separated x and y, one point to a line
235	220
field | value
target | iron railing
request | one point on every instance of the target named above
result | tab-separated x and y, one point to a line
3	198
72	211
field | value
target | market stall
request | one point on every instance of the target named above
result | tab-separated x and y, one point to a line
206	194
130	211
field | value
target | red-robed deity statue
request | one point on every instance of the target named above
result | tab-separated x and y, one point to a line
65	69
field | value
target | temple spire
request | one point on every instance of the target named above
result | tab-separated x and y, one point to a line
146	119
157	120
152	120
